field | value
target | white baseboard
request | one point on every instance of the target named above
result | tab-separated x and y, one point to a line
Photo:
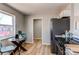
43	43
46	43
38	38
28	42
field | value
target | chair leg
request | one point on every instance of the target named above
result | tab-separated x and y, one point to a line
19	50
12	53
1	53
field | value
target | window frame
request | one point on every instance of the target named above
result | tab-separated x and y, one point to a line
13	20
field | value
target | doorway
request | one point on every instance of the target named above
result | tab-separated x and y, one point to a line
37	30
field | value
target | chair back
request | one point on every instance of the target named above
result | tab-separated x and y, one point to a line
16	36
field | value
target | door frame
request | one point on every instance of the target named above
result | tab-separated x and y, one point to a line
33	28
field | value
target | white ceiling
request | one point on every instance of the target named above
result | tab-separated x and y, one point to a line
38	8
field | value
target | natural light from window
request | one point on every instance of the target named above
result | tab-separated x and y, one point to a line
6	25
5	19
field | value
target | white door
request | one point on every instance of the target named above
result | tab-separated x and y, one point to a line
37	28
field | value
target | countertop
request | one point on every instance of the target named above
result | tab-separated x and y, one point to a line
73	47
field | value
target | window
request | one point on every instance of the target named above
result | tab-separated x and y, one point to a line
6	25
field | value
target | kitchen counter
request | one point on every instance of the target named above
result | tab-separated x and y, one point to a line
61	36
72	49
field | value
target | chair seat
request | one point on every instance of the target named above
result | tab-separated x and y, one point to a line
8	48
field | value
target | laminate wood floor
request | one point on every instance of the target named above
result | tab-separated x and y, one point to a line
36	49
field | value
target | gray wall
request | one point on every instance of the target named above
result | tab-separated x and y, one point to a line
18	15
75	18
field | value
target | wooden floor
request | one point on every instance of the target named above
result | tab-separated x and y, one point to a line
37	49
